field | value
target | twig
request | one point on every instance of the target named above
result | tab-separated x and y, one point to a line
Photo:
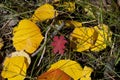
42	55
5	25
41	48
45	40
109	76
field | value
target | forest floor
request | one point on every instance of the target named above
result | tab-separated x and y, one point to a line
105	63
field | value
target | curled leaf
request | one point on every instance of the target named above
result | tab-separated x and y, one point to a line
21	53
55	74
27	36
1	43
83	38
94	38
15	67
44	12
72	68
103	38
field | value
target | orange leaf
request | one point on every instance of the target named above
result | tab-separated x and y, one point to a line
54	74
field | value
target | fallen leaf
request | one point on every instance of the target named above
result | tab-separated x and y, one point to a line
44	12
103	39
86	73
58	44
27	36
21	53
89	11
72	68
55	74
70	6
1	43
67	5
70	23
93	38
83	38
14	68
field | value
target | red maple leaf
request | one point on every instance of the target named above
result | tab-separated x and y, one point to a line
58	44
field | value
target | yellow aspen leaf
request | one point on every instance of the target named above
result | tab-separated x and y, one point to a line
27	36
1	43
22	53
86	73
70	23
70	6
88	11
83	38
94	38
14	68
44	12
55	74
103	39
72	68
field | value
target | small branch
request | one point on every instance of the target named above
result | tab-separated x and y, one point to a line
42	56
109	76
5	25
45	40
